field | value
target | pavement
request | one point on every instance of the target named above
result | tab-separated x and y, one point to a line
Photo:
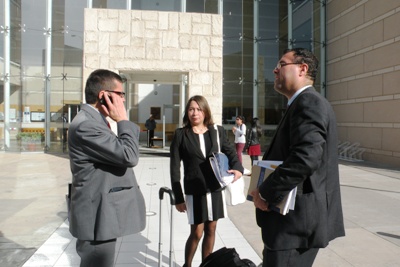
34	225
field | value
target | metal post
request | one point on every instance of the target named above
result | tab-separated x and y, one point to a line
290	24
7	36
255	59
163	128
323	47
48	73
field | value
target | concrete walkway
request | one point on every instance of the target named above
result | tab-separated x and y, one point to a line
34	229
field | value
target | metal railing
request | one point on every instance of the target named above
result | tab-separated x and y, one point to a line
350	151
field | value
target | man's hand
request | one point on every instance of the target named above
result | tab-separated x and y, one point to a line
258	202
116	108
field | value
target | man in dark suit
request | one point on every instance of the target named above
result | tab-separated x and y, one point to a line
306	142
150	126
106	202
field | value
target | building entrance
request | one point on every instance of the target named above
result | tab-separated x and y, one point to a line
159	94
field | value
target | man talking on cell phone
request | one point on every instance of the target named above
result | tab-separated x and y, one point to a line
106	202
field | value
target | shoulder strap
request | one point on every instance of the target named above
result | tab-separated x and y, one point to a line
219	147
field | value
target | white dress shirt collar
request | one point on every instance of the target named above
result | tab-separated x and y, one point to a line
297	93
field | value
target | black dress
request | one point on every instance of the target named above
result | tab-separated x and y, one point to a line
209	207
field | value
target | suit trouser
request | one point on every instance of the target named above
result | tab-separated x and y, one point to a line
96	253
289	258
151	135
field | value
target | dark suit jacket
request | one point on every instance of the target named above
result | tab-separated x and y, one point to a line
198	175
102	162
306	142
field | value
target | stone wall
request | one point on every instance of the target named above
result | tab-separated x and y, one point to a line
363	74
133	40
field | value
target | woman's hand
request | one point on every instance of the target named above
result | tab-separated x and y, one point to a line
181	207
237	174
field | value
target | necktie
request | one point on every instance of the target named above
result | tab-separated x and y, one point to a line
108	124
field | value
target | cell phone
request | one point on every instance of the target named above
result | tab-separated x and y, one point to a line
104	102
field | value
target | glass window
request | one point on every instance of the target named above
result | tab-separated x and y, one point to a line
1	79
164	5
66	68
202	6
27	52
302	24
306	29
233	75
73	20
114	4
271	104
1	39
238	60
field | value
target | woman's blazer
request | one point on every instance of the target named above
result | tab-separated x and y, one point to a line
198	175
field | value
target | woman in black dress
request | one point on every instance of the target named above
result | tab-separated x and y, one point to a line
204	200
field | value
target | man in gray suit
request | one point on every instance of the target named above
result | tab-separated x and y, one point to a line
306	142
106	202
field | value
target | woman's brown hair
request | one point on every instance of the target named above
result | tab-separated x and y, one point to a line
203	104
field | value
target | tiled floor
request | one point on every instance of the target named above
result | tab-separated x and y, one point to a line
143	249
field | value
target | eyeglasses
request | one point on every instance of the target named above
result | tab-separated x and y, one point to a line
121	94
283	64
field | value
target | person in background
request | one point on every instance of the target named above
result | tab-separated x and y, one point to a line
150	126
64	136
106	202
306	142
204	200
253	146
239	130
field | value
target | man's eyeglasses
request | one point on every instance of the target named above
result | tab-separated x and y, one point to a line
121	94
283	64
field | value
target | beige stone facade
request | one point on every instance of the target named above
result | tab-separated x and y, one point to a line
132	41
363	74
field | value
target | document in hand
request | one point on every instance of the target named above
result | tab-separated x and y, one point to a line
260	171
220	165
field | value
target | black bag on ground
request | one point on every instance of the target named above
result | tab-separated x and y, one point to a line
226	257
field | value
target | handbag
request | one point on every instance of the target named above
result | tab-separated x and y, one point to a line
220	165
235	193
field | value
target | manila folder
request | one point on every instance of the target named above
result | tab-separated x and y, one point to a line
258	175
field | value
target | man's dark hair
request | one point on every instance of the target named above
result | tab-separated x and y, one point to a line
98	80
305	56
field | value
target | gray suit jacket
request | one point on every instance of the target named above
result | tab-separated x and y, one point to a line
106	201
306	142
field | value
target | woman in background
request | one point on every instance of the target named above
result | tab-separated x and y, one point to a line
204	200
239	130
253	140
